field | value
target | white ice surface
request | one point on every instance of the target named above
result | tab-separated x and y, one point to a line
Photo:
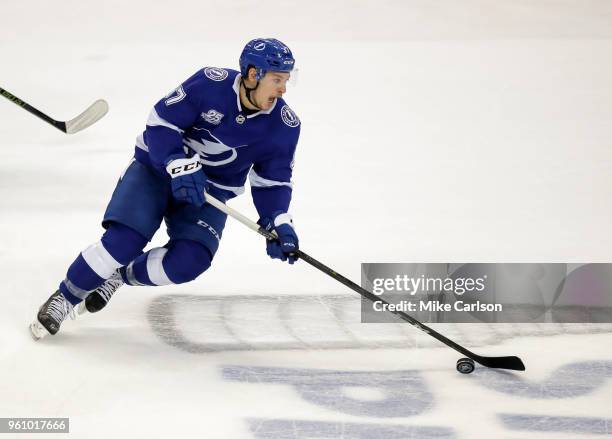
444	131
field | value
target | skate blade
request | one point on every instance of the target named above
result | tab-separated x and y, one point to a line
81	309
37	330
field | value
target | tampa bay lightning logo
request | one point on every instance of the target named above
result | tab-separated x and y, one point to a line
289	117
212	151
259	46
215	73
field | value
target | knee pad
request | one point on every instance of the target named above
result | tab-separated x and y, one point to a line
185	260
123	243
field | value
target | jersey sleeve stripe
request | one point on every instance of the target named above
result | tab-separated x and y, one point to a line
258	181
155	120
235	189
140	143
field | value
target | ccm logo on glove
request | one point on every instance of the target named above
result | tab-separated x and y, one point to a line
180	167
188	181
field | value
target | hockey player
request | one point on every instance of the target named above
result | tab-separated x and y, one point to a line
209	134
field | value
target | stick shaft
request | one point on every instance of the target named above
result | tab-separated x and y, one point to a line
30	109
499	362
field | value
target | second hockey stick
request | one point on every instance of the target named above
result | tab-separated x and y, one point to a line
91	115
511	363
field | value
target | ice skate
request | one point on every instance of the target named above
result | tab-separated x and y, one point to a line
51	315
101	295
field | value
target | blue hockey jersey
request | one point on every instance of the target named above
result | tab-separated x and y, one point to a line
204	116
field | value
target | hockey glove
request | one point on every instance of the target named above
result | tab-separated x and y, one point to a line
287	243
188	179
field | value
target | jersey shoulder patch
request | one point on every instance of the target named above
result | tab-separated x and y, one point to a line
216	73
289	117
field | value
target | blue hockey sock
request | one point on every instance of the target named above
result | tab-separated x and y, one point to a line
179	262
118	246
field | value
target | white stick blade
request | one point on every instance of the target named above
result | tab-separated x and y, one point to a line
94	113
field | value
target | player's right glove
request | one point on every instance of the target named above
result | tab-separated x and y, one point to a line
287	243
188	179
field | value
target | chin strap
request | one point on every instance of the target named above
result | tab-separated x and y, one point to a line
249	91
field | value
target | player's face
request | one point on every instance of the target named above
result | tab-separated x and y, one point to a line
273	85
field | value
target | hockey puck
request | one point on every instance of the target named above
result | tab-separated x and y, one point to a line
465	365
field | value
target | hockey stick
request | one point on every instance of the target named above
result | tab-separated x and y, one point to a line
91	115
511	363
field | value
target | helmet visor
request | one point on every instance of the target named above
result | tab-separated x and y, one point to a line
284	79
293	77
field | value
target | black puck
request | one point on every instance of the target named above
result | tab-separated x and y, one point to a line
465	365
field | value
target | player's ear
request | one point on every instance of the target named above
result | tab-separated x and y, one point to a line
252	74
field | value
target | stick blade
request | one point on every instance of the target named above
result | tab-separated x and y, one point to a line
510	363
91	115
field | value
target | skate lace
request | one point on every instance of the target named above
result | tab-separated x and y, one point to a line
108	288
59	308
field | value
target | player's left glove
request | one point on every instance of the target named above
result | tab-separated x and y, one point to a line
188	179
287	244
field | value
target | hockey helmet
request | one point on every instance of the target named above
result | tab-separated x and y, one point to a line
266	54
